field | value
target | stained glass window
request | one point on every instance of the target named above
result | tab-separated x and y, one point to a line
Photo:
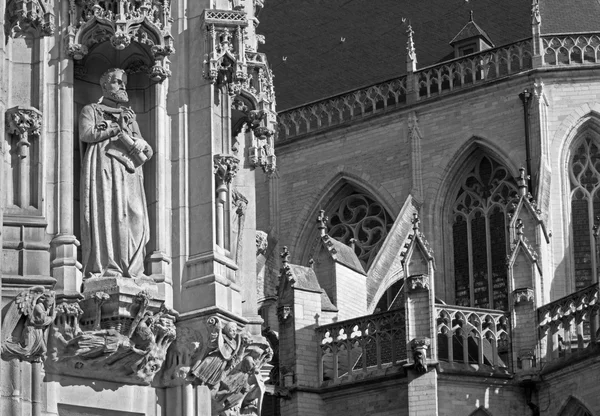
585	205
479	234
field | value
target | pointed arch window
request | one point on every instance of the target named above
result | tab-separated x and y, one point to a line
574	408
480	235
584	175
358	216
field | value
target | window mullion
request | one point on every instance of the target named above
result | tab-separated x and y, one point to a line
470	246
488	241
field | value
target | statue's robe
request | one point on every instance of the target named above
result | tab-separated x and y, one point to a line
114	218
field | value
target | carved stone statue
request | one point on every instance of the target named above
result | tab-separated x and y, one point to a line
24	329
114	220
225	345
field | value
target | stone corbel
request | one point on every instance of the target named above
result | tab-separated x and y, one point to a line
523	295
25	325
33	16
418	282
226	167
119	337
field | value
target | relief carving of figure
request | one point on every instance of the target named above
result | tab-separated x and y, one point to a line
24	329
225	345
114	220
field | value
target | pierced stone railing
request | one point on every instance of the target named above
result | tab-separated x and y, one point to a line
474	69
571	49
472	335
569	324
345	107
360	347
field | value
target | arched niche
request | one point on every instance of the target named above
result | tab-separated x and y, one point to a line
146	98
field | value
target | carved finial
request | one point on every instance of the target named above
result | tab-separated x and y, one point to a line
471	16
285	255
415	222
536	17
311	263
322	220
411	53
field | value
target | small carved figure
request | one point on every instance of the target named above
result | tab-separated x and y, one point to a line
225	344
24	327
114	220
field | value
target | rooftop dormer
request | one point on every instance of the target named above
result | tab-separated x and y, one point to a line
470	39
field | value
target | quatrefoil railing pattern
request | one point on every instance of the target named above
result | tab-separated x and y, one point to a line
356	347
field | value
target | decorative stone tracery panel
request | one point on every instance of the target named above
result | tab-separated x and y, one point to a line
361	218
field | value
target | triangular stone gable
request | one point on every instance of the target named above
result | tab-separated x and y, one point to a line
469	31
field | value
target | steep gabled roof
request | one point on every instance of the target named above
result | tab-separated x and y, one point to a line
471	30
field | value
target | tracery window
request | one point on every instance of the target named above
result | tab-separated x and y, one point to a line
584	175
479	234
359	217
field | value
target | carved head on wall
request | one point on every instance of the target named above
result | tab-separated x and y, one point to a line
114	83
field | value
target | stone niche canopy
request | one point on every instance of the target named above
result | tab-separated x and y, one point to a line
122	23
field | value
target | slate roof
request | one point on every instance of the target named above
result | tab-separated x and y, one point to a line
308	33
343	254
307	279
572	16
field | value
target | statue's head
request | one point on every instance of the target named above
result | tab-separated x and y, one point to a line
113	83
231	329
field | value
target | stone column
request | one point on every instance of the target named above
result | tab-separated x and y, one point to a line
158	195
65	267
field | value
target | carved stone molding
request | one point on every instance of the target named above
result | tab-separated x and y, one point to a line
29	16
226	167
418	282
122	22
523	295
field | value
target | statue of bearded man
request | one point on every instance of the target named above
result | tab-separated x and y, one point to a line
114	216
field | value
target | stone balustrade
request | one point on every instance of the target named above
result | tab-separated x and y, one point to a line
569	324
474	69
436	80
472	335
342	108
360	347
571	49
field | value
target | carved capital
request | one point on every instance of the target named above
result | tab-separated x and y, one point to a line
25	122
77	51
523	295
226	167
33	16
418	282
